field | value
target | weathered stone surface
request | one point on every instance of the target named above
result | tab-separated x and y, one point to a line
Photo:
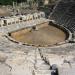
4	69
18	59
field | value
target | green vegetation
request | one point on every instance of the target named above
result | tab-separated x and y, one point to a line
10	2
5	2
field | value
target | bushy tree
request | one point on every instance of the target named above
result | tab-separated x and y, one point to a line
9	2
5	2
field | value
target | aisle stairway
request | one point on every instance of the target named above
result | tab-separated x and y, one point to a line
42	68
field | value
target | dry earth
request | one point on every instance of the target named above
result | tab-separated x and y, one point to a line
47	35
4	12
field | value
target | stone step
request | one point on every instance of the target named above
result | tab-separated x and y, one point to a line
31	59
42	72
43	67
67	69
40	62
4	69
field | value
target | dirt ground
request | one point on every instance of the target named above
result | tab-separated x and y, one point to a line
47	35
4	12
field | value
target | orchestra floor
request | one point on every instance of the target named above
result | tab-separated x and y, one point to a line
47	35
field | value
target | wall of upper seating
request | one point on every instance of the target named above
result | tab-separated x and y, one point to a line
20	18
64	14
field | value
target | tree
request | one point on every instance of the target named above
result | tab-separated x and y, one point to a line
5	2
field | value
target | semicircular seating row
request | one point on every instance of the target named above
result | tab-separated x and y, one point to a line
64	14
